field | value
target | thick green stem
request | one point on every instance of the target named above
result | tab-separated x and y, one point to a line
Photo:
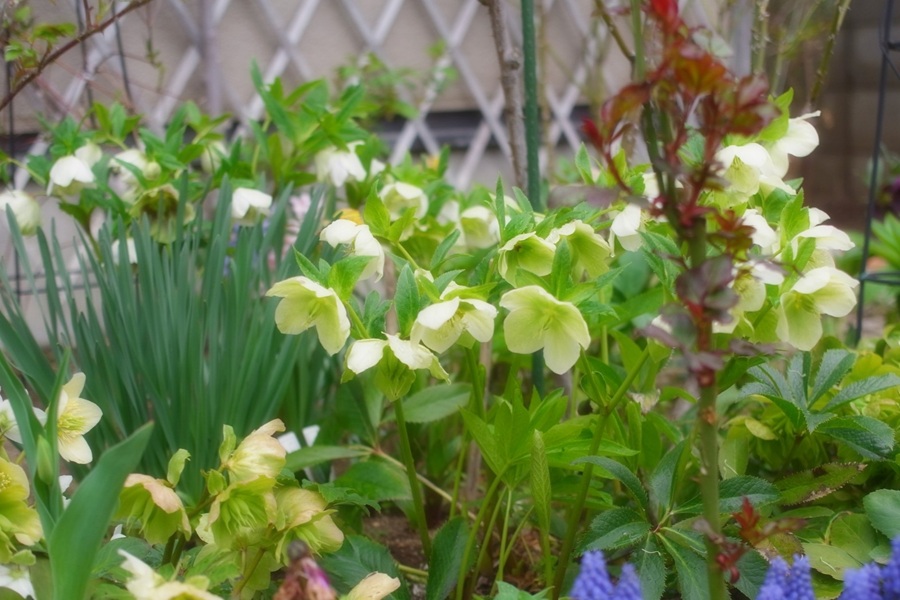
708	431
415	488
577	507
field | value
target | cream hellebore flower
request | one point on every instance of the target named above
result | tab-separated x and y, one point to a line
25	208
152	505
749	168
538	320
373	586
823	290
69	175
800	140
258	455
149	169
480	227
525	251
398	197
9	427
590	252
763	235
146	584
307	304
397	360
626	227
304	515
827	237
249	206
361	242
339	166
75	417
750	286
18	579
441	325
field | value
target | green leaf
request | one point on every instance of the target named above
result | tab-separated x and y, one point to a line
834	365
663	478
883	509
854	534
613	529
753	569
358	557
376	480
830	560
446	558
540	482
583	165
79	533
506	591
345	273
443	248
870	437
620	472
315	455
732	493
376	214
308	268
436	402
864	387
494	454
691	570
652	569
406	299
816	483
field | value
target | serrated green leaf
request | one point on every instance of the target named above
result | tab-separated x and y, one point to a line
691	570
834	365
613	529
583	165
816	483
732	493
663	478
540	481
753	568
864	387
651	568
376	480
494	454
870	437
883	509
345	273
315	455
447	553
436	402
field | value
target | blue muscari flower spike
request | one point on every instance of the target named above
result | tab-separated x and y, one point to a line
799	585
775	585
862	584
629	587
593	581
891	573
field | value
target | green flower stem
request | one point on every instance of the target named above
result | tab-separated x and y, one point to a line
473	532
457	476
576	509
407	256
708	431
357	322
480	564
248	573
412	476
454	503
638	32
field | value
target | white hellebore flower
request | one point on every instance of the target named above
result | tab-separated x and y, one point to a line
763	235
339	166
25	208
69	175
248	206
399	197
9	427
525	251
17	578
538	320
440	325
135	158
480	227
75	417
626	227
750	287
800	140
823	290
146	584
307	304
360	241
130	251
748	168
365	354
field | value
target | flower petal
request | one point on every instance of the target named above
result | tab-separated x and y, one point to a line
365	354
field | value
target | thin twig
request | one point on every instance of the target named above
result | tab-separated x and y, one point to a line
510	79
760	37
828	51
56	54
613	30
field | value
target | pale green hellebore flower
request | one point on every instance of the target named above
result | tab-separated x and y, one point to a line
75	417
25	208
525	251
441	325
537	320
249	206
397	361
823	290
626	227
398	197
750	287
339	166
590	252
259	454
307	304
147	584
763	235
360	242
749	168
800	140
480	227
152	505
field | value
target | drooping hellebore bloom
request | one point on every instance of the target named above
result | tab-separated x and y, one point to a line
304	515
800	140
590	252
525	251
626	227
25	208
537	320
259	454
360	241
480	227
249	206
749	169
823	290
17	519
307	304
152	505
147	584
161	205
69	175
339	166
397	362
398	197
441	325
75	417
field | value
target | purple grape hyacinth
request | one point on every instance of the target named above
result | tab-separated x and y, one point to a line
593	582
785	582
890	574
862	584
